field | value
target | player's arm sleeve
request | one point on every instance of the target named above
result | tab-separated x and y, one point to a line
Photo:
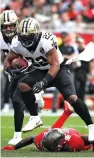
14	48
24	142
49	43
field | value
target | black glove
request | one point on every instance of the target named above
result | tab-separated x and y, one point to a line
9	69
15	73
39	86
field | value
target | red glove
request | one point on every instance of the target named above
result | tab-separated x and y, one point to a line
8	148
87	147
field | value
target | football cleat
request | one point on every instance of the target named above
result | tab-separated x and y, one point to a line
68	108
15	140
91	132
33	123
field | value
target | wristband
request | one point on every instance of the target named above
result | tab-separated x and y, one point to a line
48	78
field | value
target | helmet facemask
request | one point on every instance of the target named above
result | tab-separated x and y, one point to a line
29	40
28	32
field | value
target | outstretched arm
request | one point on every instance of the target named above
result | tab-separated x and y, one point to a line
24	142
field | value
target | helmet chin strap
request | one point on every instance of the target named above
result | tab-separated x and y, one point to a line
30	45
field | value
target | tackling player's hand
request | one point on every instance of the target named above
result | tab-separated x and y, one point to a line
39	86
8	148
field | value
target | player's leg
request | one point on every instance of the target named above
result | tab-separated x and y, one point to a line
68	90
19	109
18	113
22	143
25	86
6	103
61	120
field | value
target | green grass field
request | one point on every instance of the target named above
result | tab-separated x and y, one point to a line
31	151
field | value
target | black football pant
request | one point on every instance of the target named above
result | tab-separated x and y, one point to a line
64	84
62	81
18	105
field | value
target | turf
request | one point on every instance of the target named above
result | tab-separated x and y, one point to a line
31	151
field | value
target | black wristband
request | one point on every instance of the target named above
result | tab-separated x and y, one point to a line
48	78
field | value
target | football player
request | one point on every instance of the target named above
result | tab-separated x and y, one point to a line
50	69
9	22
56	138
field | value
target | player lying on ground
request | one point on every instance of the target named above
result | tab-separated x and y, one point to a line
57	138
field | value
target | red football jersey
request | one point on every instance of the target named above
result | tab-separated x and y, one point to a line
72	140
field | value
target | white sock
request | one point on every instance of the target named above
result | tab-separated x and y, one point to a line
18	134
91	132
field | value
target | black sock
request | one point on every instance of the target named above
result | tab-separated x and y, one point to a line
18	116
82	110
29	100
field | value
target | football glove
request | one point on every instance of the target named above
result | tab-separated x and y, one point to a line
39	86
15	73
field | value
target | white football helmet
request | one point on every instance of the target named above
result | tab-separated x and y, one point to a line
28	31
8	22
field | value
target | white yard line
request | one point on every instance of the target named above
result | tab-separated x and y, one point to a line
43	113
68	126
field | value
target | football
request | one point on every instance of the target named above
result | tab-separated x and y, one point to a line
19	63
